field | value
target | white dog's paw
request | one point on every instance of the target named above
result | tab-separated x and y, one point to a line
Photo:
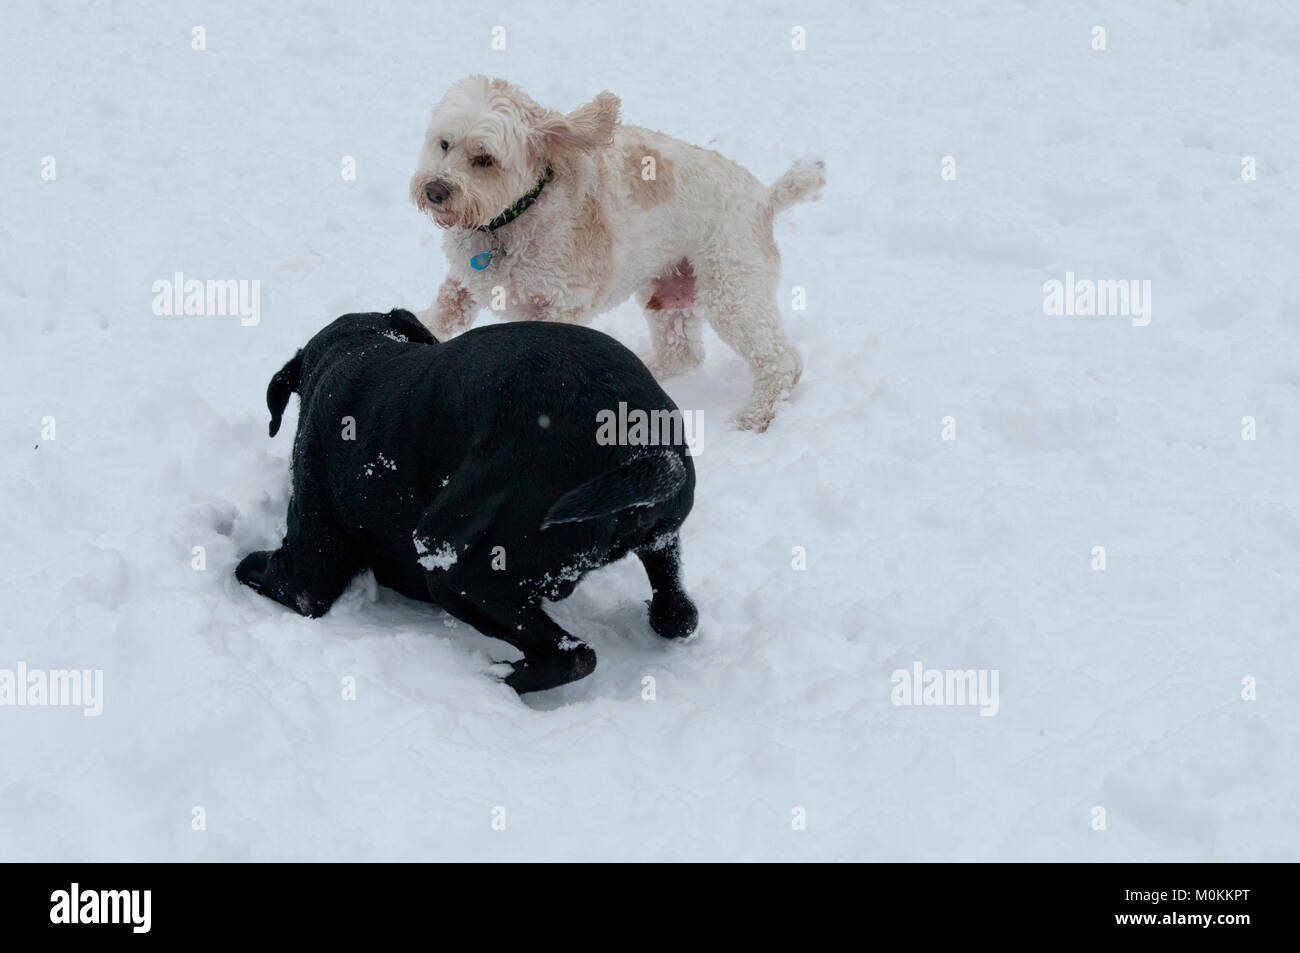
756	419
653	364
429	317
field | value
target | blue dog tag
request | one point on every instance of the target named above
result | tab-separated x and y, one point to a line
481	260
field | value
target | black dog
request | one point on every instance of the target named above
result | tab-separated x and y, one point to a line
469	474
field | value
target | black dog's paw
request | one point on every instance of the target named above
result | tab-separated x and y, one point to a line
252	571
539	673
673	616
260	572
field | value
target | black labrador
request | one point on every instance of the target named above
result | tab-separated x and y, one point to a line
472	474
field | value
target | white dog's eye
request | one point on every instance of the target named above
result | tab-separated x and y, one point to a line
445	145
483	161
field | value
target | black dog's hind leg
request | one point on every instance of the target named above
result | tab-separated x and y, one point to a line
308	572
458	531
552	657
672	614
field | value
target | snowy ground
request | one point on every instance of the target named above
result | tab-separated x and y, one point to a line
1119	689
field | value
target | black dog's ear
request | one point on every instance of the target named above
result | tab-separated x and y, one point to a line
411	326
284	383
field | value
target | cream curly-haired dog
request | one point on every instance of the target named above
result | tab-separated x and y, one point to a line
555	217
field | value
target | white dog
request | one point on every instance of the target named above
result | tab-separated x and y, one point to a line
555	217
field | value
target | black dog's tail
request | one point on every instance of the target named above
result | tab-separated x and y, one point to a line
644	481
284	383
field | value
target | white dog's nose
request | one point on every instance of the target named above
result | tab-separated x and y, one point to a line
436	192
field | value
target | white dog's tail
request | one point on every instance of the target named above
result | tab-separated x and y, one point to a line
797	185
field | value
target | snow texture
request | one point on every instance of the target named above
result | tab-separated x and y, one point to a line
1120	689
444	557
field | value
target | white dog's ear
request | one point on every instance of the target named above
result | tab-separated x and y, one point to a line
586	128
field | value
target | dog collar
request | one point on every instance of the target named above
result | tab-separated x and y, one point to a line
514	211
484	258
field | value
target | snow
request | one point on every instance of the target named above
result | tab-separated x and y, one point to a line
381	462
1120	689
444	557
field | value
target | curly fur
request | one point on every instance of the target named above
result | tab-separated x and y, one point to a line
628	212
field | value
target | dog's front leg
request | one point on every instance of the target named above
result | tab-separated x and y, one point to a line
307	589
311	568
451	312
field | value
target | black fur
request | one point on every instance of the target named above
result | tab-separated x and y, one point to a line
486	441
